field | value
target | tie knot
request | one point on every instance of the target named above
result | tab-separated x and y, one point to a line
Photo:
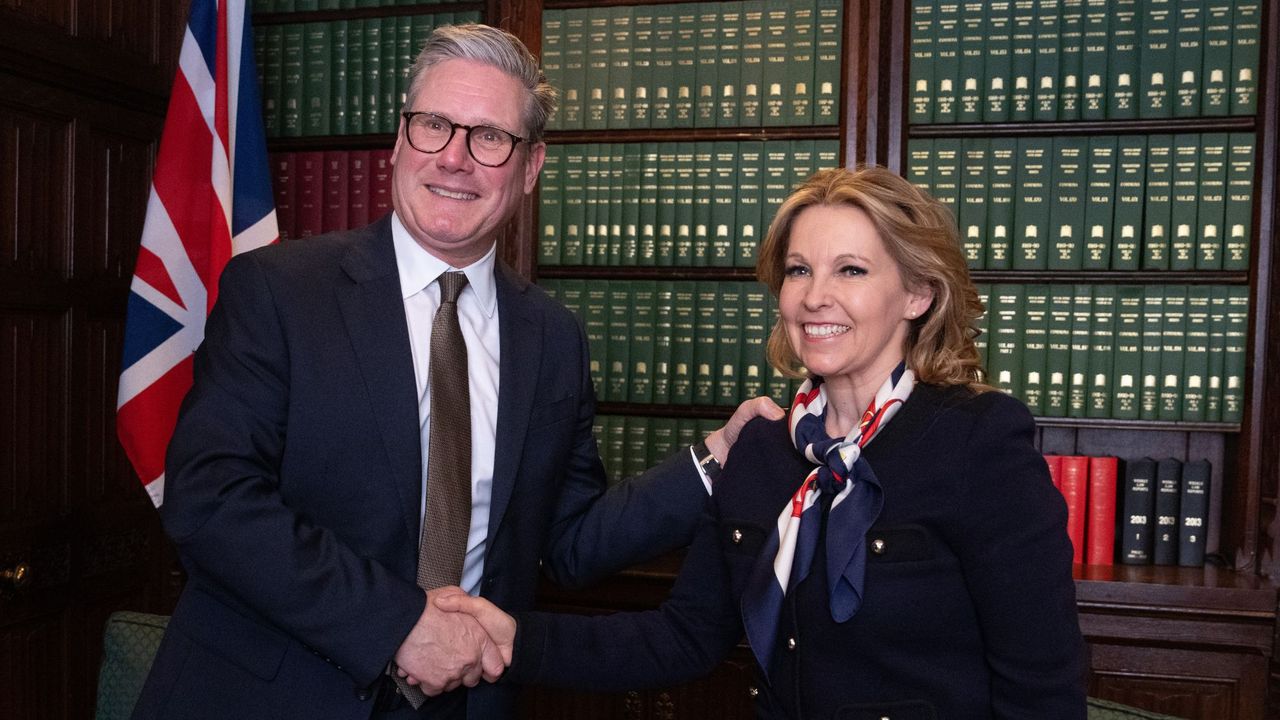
451	284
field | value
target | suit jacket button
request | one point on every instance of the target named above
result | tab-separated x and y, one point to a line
737	536
363	694
753	691
877	546
791	643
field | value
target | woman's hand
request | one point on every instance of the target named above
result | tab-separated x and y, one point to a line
500	626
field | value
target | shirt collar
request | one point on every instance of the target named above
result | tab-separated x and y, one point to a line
419	268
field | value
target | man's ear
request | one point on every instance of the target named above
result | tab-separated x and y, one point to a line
533	165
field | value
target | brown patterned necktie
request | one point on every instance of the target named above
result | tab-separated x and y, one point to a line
447	520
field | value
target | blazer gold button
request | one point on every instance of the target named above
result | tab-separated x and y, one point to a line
791	643
877	546
737	537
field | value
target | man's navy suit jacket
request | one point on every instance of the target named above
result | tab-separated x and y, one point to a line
294	480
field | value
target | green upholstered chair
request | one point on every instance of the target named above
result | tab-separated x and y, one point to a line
129	645
1100	709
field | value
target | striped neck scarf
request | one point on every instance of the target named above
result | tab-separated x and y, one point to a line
843	473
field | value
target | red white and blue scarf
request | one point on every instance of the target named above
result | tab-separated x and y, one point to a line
840	471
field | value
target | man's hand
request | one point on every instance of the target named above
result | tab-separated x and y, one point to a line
720	441
500	626
448	649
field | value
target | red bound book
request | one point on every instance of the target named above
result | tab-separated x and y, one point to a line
357	188
335	190
379	184
1100	541
1075	488
310	174
1055	469
284	184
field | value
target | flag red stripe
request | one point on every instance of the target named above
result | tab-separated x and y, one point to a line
151	270
153	414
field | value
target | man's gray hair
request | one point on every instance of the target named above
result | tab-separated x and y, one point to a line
497	48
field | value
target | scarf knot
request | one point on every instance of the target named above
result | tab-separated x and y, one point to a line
855	499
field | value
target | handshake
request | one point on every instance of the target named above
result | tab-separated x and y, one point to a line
458	640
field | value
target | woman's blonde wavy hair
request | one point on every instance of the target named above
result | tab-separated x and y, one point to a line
920	235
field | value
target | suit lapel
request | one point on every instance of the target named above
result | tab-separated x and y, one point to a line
373	310
520	335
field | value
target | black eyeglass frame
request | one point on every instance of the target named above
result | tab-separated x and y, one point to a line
453	130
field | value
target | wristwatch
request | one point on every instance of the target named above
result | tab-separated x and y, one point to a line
710	466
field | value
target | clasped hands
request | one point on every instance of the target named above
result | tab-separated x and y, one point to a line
458	640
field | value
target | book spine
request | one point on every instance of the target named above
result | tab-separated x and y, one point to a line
574	218
1122	60
371	84
1048	59
310	173
724	191
1081	342
648	201
1055	470
946	63
358	188
1101	527
637	446
1035	345
663	333
1001	191
729	67
379	184
1156	59
666	237
972	219
1022	57
642	350
1217	351
1070	60
1195	369
1130	193
752	63
292	74
1136	538
971	50
703	201
1094	60
1152	350
1075	489
617	204
1188	57
998	70
1159	204
550	206
1067	206
1237	216
800	64
947	158
596	88
618	102
827	62
1211	208
685	192
1101	354
642	33
1186	197
336	190
707	65
284	186
617	378
352	96
728	339
388	99
776	39
923	13
552	56
1008	325
682	344
1031	208
1127	370
631	204
573	91
1245	54
705	336
596	323
755	336
269	41
1168	499
1234	359
751	225
1215	72
1058	357
1193	513
1099	215
1173	352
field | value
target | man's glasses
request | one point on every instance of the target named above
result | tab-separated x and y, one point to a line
431	133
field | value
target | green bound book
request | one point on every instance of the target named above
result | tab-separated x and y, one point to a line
1215	72
1186	196
1048	59
923	18
617	203
595	320
269	41
1081	345
1173	351
800	64
703	189
920	163
729	67
1216	352
706	325
411	33
724	196
1126	375
777	37
1035	348
642	30
573	97
667	181
552	56
1002	189
827	62
664	328
1159	205
752	63
685	192
706	66
1031	205
750	195
972	220
684	311
777	177
947	160
1008	326
339	42
618	372
1237	217
573	210
1245	54
1131	186
375	37
1058	356
648	211
664	67
728	342
572	293
1123	66
353	96
946	63
1099	211
1022	54
596	75
643	346
1067	203
1195	370
1102	333
632	178
755	336
983	327
971	51
1071	60
1188	57
1234	359
292	74
1152	350
998	70
550	206
388	100
1093	60
620	51
1213	201
1155	55
595	199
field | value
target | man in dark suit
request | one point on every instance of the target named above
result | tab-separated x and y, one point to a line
298	475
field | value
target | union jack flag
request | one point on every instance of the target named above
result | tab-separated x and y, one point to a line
210	199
